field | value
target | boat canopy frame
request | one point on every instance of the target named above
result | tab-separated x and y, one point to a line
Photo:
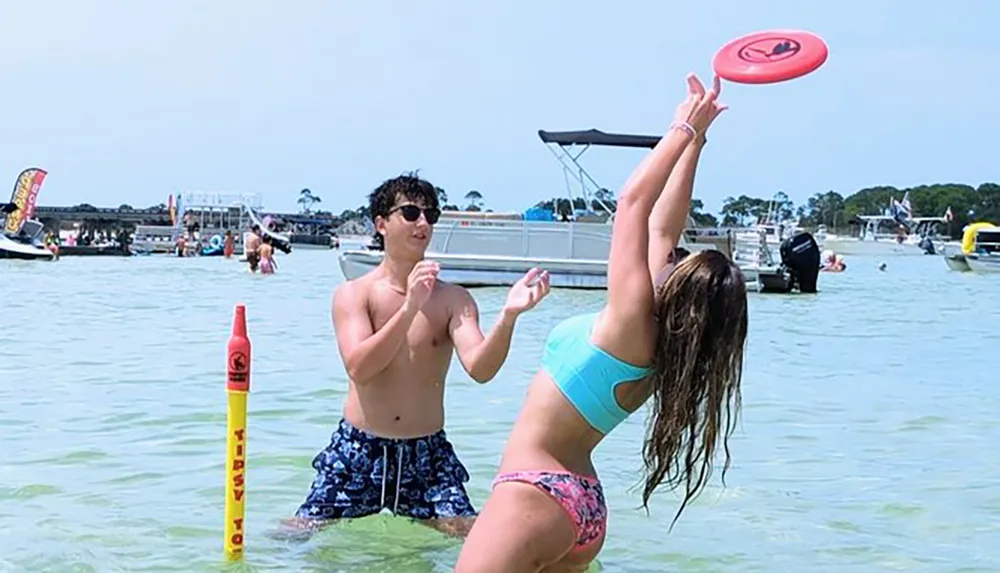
569	146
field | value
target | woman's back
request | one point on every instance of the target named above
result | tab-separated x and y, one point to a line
581	394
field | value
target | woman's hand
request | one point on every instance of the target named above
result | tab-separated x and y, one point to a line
700	108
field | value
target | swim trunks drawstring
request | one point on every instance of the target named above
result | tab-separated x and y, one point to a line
385	475
399	478
385	472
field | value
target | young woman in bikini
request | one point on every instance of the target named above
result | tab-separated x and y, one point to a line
671	330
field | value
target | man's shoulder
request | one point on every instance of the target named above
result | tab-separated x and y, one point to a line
451	289
351	290
453	295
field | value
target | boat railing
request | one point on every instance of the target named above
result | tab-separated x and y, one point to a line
991	246
751	246
721	239
155	234
551	239
157	229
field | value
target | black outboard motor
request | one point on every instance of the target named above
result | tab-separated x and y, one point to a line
800	256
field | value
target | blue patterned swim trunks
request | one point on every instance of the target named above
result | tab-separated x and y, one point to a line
360	474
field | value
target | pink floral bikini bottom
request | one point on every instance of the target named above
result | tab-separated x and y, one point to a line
581	496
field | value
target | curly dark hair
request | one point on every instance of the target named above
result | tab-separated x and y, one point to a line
701	311
408	186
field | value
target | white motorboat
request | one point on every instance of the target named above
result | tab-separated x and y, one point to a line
21	234
547	245
26	245
979	251
918	237
496	249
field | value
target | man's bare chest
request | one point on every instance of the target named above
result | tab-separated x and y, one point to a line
429	328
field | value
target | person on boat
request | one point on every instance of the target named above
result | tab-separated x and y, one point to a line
227	246
266	252
250	246
675	333
397	328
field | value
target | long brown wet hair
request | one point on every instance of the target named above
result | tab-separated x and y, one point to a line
701	311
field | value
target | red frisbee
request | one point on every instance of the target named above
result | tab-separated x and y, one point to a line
770	57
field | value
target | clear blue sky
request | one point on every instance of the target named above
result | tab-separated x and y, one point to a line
127	101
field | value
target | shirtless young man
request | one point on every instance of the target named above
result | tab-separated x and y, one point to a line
396	329
250	248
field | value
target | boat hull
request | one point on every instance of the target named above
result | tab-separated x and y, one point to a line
494	271
852	246
490	271
979	263
957	263
10	249
91	251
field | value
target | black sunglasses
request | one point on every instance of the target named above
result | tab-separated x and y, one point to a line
411	213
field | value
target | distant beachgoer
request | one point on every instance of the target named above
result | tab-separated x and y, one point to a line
227	247
266	252
181	246
250	248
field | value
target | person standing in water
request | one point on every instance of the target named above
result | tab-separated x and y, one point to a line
397	328
227	245
266	252
180	245
672	329
250	246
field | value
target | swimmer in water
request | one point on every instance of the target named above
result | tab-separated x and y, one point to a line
832	262
673	333
266	252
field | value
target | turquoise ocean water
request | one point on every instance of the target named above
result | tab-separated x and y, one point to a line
868	440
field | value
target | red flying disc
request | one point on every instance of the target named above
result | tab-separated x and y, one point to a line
770	57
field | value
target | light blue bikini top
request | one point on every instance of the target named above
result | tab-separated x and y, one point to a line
587	375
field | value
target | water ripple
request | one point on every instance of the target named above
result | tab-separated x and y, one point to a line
865	443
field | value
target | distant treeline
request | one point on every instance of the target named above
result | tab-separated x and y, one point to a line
964	202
